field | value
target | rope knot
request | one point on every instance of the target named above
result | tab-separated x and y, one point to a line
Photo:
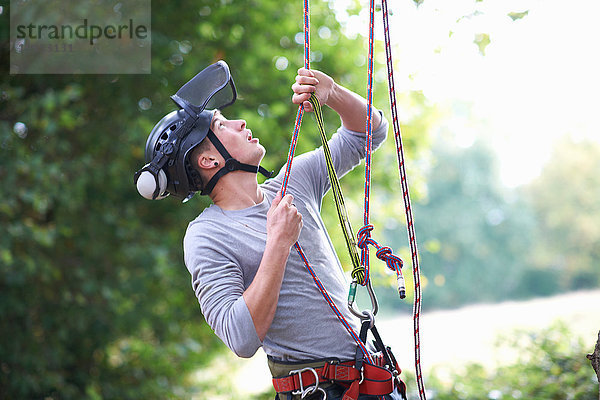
394	263
384	253
364	236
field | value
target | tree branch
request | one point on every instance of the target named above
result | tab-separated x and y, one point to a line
595	360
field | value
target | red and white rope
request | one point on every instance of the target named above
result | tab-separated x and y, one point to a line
408	209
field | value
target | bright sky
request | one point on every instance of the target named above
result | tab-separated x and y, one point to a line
539	78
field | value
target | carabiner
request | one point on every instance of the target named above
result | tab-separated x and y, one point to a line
352	297
368	315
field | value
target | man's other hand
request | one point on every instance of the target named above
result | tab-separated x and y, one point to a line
284	222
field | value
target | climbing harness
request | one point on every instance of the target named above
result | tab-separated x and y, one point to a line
306	381
371	379
378	378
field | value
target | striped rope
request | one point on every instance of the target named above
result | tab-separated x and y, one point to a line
364	235
358	270
364	238
290	158
368	142
332	305
300	113
407	205
385	254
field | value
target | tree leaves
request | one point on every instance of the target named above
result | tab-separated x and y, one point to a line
515	15
565	199
550	365
482	40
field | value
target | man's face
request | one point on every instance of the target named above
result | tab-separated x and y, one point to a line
237	139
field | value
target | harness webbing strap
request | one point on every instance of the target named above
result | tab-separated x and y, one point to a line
374	380
231	164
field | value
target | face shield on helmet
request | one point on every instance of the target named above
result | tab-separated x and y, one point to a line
167	170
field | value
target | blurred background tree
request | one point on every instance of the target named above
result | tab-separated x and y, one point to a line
473	234
565	200
551	365
481	241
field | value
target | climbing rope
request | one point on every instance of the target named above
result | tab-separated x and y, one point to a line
361	270
336	189
364	234
290	158
412	238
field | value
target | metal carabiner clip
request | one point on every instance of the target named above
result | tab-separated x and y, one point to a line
305	391
352	297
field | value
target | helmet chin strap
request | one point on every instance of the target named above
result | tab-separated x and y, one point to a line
231	164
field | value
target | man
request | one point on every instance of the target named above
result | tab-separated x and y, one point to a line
253	289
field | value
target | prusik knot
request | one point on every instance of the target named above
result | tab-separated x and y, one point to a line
359	275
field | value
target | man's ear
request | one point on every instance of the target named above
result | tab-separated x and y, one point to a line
206	161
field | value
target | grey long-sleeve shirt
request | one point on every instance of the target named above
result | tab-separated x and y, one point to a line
223	250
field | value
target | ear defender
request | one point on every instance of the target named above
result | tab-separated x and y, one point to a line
168	171
147	184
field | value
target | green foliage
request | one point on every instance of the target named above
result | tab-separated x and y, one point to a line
480	241
473	236
515	15
551	364
482	40
565	201
81	273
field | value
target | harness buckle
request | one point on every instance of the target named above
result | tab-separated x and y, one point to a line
303	392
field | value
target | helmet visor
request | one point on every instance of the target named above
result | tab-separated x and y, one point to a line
211	88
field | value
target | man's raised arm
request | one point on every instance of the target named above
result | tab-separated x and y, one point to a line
351	107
